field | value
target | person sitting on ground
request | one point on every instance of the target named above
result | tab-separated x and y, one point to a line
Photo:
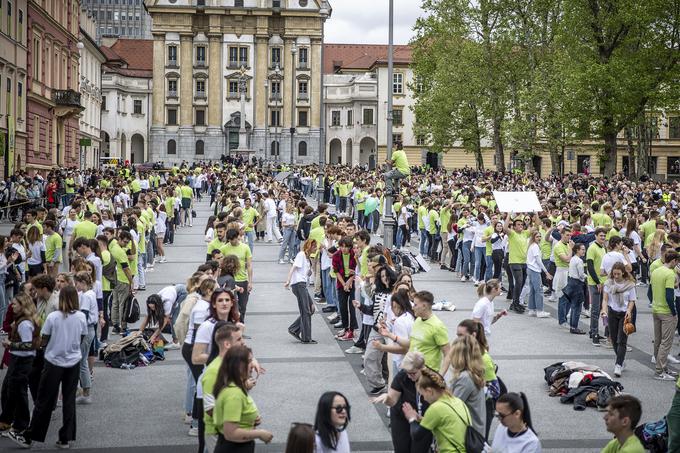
623	415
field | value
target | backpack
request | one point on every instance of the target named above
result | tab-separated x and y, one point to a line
131	312
109	271
654	436
605	393
474	442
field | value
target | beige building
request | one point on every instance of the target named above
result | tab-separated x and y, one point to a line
206	50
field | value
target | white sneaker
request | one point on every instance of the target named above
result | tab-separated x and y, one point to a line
664	377
354	350
565	326
188	419
552	298
585	314
463	279
282	261
653	359
542	314
193	432
672	359
172	346
532	313
617	370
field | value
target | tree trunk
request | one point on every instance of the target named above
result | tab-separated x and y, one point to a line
498	144
610	145
632	174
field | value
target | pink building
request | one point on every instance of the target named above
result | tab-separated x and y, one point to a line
53	103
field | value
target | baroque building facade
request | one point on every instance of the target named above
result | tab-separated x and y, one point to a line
204	51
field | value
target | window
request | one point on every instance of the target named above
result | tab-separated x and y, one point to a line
396	139
335	118
243	56
172	55
276	57
9	18
172	88
238	56
350	117
172	117
303	120
303	3
398	117
172	147
674	127
36	58
276	90
200	88
303	58
200	2
238	3
274	148
275	118
109	15
302	90
302	149
200	147
200	55
20	30
276	3
137	107
398	83
421	140
20	93
200	117
233	89
104	103
368	116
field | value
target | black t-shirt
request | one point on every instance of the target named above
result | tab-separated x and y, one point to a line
403	384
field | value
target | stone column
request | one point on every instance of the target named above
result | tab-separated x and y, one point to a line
215	82
261	96
287	122
158	93
315	93
186	66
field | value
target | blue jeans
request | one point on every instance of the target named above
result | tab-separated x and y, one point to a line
141	267
423	242
573	297
535	291
329	288
465	268
250	237
4	300
480	253
488	273
399	239
287	244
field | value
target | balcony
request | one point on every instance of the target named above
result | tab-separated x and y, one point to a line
67	102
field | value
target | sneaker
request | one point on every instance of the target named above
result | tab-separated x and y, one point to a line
542	314
294	335
282	262
378	390
629	349
672	360
565	326
328	309
596	341
19	439
354	350
338	325
310	342
348	336
62	445
585	314
607	344
653	359
532	313
664	377
188	419
672	372
463	279
333	318
84	400
577	331
193	432
617	370
172	346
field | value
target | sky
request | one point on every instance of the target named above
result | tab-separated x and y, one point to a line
366	21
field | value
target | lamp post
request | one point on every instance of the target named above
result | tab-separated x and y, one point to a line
322	112
277	130
242	133
266	119
293	93
388	221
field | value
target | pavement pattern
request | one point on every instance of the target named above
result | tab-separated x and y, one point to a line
141	410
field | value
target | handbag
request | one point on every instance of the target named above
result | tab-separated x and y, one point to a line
474	441
193	214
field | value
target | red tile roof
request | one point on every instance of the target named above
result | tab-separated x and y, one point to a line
137	53
360	56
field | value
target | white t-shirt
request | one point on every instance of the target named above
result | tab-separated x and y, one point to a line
35	248
88	303
341	447
65	331
402	328
205	332
199	313
25	330
160	222
168	295
527	442
619	303
609	259
97	263
301	268
483	310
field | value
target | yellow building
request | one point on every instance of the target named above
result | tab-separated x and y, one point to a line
205	51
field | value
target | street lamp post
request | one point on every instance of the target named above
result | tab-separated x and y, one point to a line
277	130
266	119
388	221
322	112
293	93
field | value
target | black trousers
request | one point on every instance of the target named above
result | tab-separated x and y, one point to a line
618	336
401	435
35	373
519	275
243	300
225	446
454	252
106	308
497	258
15	393
52	377
348	314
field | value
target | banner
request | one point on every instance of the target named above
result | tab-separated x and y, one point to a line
517	202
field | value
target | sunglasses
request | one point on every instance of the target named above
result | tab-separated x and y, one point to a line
500	416
340	409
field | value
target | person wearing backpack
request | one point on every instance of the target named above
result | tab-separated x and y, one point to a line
447	417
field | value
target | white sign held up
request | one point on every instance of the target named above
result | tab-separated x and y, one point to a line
517	202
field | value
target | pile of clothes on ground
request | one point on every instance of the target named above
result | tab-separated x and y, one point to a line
132	351
581	384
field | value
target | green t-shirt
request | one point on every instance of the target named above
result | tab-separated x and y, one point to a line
632	445
561	249
70	185
488	231
518	244
135	186
595	252
489	368
208	379
106	259
400	162
448	419
363	263
141	230
345	264
444	219
317	234
662	279
170	207
37	225
361	200
428	337
118	254
242	251
52	244
214	244
544	246
343	189
434	218
186	191
249	216
646	229
655	265
85	229
235	406
422	212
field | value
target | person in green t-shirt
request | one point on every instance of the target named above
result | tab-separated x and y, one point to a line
623	415
594	256
250	218
664	314
433	228
518	245
186	196
53	245
244	276
399	170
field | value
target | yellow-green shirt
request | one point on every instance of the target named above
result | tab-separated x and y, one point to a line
85	229
249	216
428	337
186	191
596	253
662	279
106	259
208	379
561	249
242	251
235	406
52	244
448	419
518	244
118	254
632	445
400	162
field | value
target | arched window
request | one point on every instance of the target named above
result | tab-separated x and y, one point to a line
275	148
199	147
302	149
172	147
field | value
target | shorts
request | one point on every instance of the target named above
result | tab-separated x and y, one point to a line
186	203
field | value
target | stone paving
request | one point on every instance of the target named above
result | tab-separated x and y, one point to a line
141	410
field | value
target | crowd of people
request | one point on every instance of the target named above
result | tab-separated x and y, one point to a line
84	241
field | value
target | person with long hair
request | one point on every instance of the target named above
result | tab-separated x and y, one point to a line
399	323
160	229
62	334
299	273
468	382
223	307
22	343
87	300
515	433
447	418
300	438
618	304
484	311
534	268
36	260
235	414
344	264
330	423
